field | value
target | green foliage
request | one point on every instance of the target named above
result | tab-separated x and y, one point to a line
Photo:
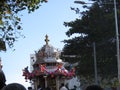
97	24
10	22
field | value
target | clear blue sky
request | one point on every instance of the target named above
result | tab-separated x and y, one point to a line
47	20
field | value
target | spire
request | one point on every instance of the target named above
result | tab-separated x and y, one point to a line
46	39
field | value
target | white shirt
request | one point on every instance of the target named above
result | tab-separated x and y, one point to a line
63	88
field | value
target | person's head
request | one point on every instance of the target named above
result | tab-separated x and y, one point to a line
62	84
14	86
39	86
29	88
94	87
2	79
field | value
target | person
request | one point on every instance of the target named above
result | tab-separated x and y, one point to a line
48	88
14	86
30	88
63	87
2	79
94	87
39	87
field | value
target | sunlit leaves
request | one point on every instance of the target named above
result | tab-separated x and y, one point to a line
10	21
2	45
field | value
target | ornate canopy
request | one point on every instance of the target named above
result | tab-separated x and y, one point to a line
48	62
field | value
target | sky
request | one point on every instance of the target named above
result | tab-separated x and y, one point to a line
48	19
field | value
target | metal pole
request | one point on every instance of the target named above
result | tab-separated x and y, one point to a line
45	77
95	63
117	40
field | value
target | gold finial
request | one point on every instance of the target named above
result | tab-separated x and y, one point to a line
46	39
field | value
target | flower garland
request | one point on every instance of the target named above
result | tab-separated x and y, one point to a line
43	70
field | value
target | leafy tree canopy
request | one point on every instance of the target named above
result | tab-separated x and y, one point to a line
97	24
10	26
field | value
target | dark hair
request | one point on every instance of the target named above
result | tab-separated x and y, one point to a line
62	84
14	86
94	87
2	79
29	88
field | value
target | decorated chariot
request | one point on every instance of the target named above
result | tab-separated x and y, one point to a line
47	69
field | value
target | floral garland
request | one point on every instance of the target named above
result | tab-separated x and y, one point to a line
42	69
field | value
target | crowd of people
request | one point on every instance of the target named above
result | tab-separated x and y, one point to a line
41	88
63	87
17	86
90	87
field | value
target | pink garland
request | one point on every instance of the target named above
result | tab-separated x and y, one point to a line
43	70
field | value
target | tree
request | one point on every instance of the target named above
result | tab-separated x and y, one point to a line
96	25
10	27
